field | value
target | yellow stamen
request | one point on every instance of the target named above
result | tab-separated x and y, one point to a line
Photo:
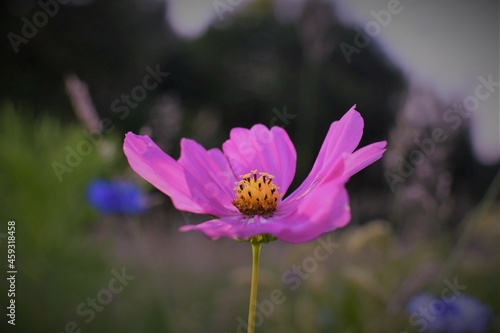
256	195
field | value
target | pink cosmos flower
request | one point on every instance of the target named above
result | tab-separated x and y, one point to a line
244	185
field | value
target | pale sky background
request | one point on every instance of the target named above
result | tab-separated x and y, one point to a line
445	45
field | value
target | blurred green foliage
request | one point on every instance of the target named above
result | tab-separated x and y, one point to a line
56	263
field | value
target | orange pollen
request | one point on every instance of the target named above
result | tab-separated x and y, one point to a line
256	195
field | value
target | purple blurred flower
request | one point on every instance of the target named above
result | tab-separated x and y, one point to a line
453	314
115	197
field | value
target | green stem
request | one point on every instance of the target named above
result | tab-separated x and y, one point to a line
254	285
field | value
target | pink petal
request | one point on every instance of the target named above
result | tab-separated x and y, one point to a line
342	138
363	157
231	227
326	208
335	175
264	150
211	169
188	192
213	228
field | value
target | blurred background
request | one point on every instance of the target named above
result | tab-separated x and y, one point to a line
97	248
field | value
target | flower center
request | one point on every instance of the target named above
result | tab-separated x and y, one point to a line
256	195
